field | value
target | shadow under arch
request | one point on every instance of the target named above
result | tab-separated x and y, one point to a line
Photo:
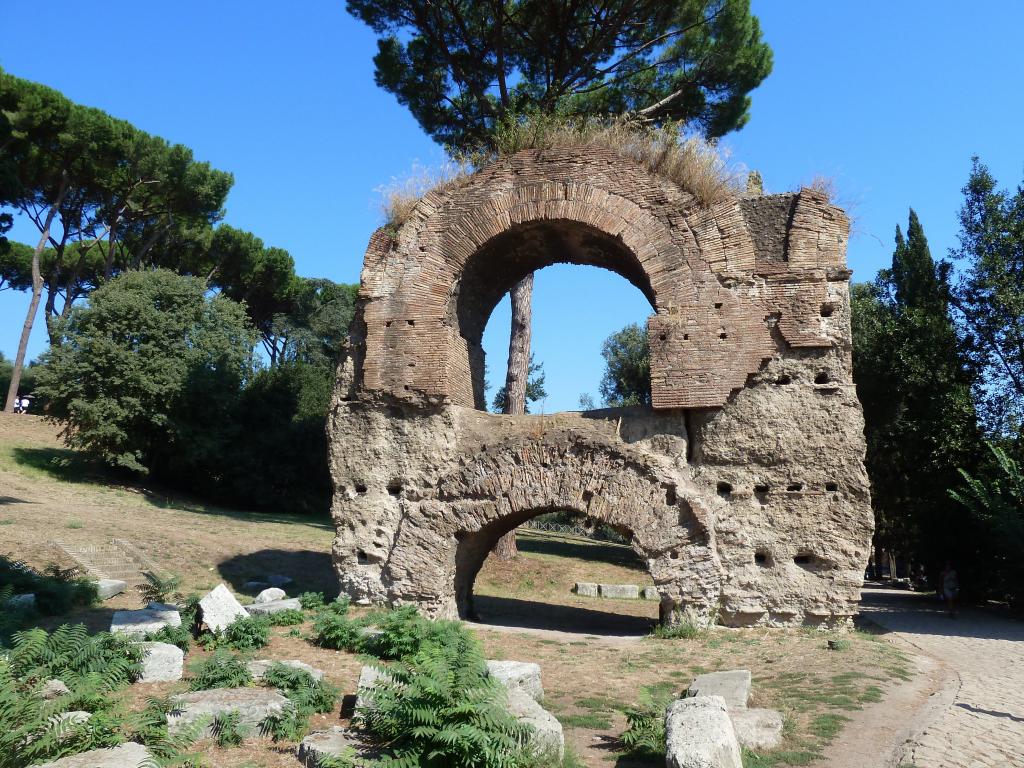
500	263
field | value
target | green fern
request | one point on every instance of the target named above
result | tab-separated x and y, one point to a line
227	729
287	618
221	669
440	708
248	633
70	653
160	588
178	636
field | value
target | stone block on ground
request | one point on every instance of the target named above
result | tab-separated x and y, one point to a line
620	591
270	594
253	705
586	589
23	602
368	677
518	674
275	606
331	743
127	755
107	588
547	737
152	618
699	734
55	688
651	593
162	663
219	609
259	667
733	686
70	719
757	728
277	580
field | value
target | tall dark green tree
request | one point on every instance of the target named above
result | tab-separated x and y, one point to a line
916	389
989	299
627	373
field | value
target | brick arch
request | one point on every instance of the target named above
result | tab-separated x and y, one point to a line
506	484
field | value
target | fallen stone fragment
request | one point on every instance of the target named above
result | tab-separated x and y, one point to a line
368	677
253	705
53	689
270	594
586	589
107	588
67	720
547	737
23	602
162	663
152	618
275	606
733	686
219	609
518	674
277	580
757	728
620	591
699	734
128	755
333	743
651	593
259	667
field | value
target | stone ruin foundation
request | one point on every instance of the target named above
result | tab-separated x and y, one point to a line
743	486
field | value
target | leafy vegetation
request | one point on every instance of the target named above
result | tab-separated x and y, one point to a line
307	696
221	669
645	735
286	618
57	590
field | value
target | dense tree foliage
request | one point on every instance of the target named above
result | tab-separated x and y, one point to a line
146	375
916	389
460	67
989	298
101	193
627	375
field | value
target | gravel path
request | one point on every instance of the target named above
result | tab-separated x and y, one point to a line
978	719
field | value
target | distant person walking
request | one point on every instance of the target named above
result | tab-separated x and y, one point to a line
21	404
949	583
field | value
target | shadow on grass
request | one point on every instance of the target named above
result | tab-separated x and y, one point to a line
528	614
579	549
70	466
311	571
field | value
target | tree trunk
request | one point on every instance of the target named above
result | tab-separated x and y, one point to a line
37	292
515	380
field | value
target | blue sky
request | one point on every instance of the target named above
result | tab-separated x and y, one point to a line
889	98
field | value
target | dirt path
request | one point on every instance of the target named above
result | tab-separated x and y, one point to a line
966	710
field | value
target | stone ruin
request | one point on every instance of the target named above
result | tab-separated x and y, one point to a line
742	488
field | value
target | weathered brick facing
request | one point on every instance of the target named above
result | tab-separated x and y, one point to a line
743	488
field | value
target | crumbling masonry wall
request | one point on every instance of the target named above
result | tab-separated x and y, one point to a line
743	487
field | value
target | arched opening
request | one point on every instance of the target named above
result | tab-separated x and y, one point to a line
505	259
536	590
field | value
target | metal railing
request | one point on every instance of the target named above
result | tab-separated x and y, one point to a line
595	533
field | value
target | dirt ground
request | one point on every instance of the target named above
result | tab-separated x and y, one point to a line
596	659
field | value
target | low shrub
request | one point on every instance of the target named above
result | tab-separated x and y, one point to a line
645	735
440	708
684	630
57	590
178	636
160	588
312	601
221	669
287	618
307	696
227	729
247	633
331	630
71	654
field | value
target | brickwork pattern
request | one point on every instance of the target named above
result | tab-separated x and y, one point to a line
743	488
